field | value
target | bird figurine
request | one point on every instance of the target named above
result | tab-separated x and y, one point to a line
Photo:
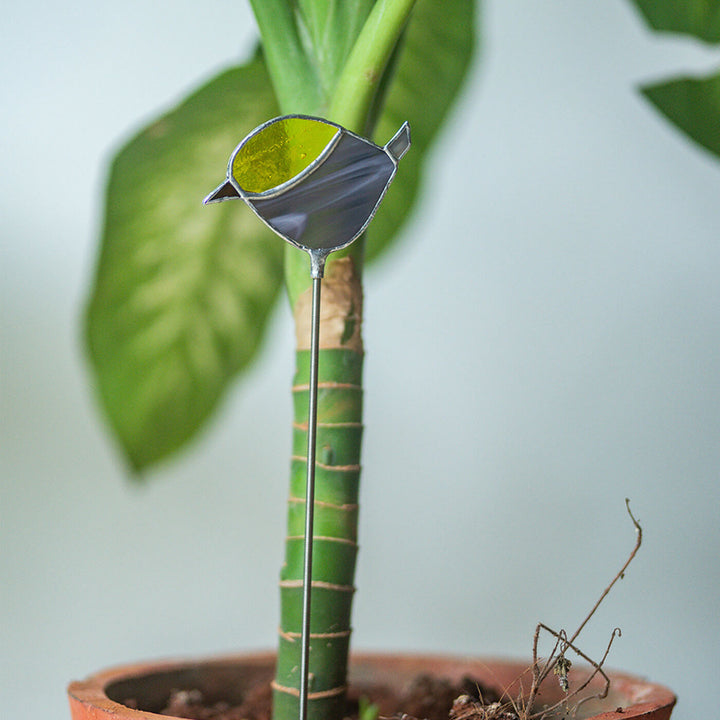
313	182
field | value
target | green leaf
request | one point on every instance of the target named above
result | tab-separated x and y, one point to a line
367	710
700	18
434	60
292	71
306	43
182	291
693	105
331	27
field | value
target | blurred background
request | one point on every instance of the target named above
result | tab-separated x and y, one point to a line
543	343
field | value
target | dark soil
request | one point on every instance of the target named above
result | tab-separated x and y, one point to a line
426	698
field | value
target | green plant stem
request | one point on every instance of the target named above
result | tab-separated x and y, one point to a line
337	476
339	409
298	90
353	97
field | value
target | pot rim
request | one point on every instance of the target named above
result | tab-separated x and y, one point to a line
89	699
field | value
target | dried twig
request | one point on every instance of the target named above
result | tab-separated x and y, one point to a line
558	663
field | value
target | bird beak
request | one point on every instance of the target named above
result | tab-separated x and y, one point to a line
223	192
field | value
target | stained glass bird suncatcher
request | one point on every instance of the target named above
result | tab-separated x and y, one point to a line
314	183
317	185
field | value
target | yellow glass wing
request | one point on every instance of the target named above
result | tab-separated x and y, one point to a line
279	152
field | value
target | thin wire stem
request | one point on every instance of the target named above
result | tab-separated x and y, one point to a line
310	498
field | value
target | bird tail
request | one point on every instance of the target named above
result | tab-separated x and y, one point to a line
399	143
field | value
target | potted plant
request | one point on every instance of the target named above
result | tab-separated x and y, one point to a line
180	301
409	687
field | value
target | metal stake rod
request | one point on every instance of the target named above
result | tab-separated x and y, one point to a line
310	497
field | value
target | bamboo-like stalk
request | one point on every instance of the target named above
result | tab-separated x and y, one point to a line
335	536
339	404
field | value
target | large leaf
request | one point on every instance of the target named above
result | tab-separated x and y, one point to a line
700	18
182	291
434	61
693	105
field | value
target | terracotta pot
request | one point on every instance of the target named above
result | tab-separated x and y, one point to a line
100	697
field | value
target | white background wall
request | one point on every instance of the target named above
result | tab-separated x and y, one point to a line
545	344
